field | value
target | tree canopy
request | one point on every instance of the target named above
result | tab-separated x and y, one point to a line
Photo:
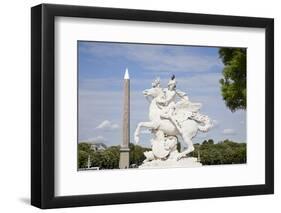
233	83
211	153
224	152
108	158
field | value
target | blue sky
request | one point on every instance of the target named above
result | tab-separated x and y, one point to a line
101	70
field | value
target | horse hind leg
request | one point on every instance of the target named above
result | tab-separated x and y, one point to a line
190	147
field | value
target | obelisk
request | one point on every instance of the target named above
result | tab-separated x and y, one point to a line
124	149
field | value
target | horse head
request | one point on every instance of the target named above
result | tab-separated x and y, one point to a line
153	92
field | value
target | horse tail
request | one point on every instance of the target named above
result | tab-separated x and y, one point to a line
202	119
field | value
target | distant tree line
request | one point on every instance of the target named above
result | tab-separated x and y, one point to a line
224	152
108	158
210	153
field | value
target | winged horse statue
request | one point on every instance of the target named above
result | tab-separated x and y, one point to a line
169	119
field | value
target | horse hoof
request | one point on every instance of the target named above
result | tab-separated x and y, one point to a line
179	157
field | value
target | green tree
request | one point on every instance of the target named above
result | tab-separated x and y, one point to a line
210	141
84	147
225	152
106	159
82	159
83	152
211	153
233	83
136	154
109	157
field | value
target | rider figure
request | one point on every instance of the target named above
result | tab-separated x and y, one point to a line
169	98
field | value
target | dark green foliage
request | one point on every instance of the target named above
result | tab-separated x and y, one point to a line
84	147
225	152
136	154
210	141
82	159
233	83
108	158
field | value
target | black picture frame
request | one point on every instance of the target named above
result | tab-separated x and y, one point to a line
43	105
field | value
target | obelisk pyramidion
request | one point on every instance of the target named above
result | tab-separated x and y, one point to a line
124	150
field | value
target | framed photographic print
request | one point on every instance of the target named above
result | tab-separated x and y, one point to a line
140	106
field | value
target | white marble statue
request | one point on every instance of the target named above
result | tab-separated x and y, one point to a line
170	120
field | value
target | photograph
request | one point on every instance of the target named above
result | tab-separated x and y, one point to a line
150	106
154	105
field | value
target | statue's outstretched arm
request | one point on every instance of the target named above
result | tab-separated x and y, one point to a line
182	95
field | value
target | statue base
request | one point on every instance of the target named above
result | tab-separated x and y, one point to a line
189	162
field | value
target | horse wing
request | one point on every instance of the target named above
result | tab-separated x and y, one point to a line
187	106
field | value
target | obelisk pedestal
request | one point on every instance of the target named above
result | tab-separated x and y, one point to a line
125	150
124	158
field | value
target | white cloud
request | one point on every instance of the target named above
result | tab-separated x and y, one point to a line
107	125
115	126
98	139
229	132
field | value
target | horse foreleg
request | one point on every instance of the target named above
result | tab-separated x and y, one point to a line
190	147
148	125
